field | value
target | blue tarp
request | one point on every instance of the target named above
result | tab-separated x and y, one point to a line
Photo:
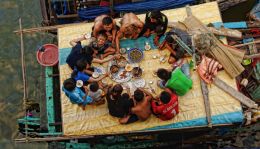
93	12
138	7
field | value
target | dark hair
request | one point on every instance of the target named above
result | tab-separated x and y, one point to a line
138	95
159	29
165	97
69	84
117	89
156	14
125	95
163	74
102	33
93	86
87	50
169	39
107	20
81	64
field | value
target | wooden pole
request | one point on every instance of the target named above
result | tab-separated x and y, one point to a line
25	92
46	28
244	44
205	93
234	93
252	56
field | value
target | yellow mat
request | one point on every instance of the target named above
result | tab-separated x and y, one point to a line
95	120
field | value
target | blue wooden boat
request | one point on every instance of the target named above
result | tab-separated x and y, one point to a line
255	12
160	135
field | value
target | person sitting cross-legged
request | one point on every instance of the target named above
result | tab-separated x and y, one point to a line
82	73
101	46
141	110
118	104
166	106
75	94
96	93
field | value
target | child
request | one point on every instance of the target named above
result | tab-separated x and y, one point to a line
96	93
175	80
177	52
82	72
101	46
166	106
75	94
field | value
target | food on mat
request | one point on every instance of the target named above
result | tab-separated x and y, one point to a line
95	75
128	67
137	72
114	69
135	55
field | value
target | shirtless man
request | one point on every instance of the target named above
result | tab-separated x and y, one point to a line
130	28
141	110
105	22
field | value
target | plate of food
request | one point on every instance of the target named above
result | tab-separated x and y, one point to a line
137	72
79	83
119	74
95	74
135	55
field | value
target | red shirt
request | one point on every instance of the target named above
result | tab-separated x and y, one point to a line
166	111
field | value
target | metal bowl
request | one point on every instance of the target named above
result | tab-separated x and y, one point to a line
135	55
114	69
137	72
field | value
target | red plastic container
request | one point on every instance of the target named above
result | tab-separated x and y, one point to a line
48	55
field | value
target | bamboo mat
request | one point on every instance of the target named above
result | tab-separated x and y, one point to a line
95	120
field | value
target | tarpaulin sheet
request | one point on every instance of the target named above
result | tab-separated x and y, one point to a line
95	120
143	6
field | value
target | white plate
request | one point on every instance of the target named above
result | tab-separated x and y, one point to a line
139	83
79	83
100	70
95	75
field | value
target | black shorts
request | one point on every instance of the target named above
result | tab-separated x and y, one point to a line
132	118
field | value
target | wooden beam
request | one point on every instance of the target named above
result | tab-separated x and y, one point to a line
46	28
236	94
205	93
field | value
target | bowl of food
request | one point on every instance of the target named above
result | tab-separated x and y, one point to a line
121	62
95	74
137	72
114	69
79	83
128	67
135	55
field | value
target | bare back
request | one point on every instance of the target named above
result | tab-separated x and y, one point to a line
143	109
131	19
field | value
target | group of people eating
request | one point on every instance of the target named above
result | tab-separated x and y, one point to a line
122	104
